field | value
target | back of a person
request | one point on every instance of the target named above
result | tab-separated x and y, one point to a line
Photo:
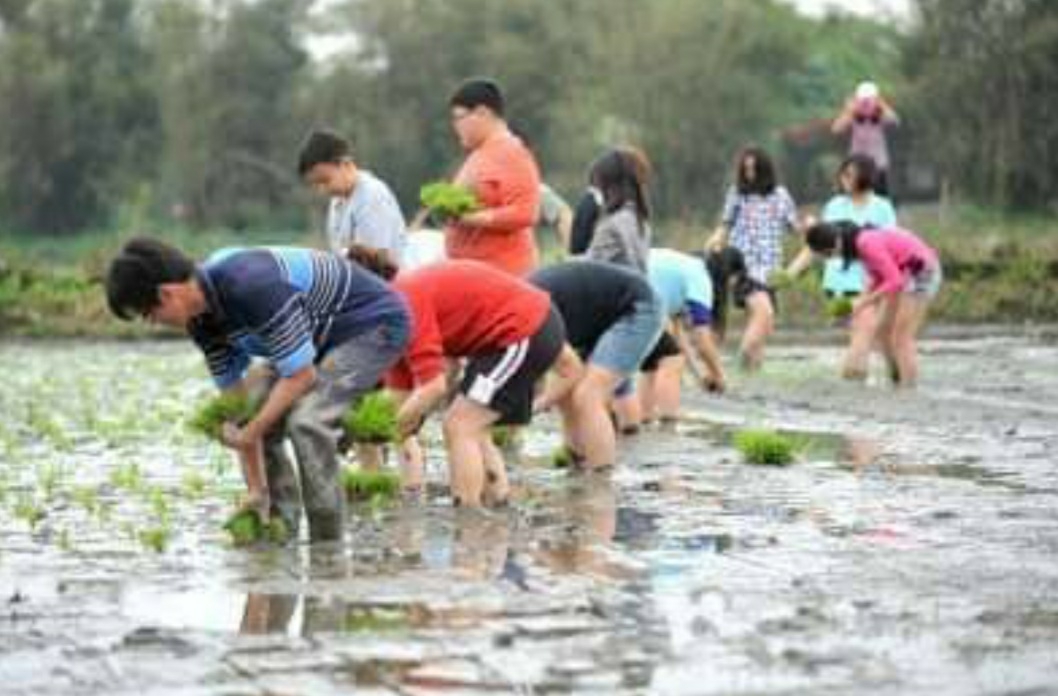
901	246
340	299
678	277
504	175
591	296
476	307
621	238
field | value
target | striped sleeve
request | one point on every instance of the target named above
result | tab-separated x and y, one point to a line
227	363
287	336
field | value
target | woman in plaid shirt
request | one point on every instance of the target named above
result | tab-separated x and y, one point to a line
757	212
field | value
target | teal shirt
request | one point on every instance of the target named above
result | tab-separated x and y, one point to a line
878	212
679	278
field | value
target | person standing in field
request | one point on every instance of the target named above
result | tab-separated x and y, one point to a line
757	212
865	117
502	173
904	276
363	209
857	202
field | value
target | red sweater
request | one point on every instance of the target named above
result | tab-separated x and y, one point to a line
503	175
459	309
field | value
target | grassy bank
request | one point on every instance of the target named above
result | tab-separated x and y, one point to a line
998	269
53	286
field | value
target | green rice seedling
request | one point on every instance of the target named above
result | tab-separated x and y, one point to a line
127	477
193	484
562	457
210	417
87	498
373	419
503	436
159	502
48	478
766	447
30	511
839	307
447	200
246	528
155	538
63	540
373	486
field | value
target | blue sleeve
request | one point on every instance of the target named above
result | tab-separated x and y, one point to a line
698	286
699	314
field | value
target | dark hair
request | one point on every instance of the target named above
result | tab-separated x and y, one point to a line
374	260
478	91
824	237
764	180
322	147
618	176
724	267
138	271
864	166
585	216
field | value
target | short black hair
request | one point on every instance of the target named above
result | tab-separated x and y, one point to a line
479	91
322	147
135	275
764	177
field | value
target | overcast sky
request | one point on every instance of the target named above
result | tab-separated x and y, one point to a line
896	10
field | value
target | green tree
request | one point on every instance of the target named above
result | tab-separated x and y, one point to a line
984	85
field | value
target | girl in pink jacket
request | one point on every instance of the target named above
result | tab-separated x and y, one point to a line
904	274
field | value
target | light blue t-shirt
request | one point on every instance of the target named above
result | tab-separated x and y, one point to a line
878	212
679	278
370	216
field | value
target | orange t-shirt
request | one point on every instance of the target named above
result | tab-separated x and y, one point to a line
503	175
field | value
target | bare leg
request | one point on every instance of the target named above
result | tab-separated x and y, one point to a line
885	339
591	397
759	326
667	387
497	488
466	426
862	332
629	411
910	313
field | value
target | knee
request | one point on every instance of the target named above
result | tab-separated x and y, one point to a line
456	427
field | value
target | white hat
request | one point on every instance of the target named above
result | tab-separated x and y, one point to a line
867	90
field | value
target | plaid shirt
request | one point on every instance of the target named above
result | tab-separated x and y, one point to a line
756	225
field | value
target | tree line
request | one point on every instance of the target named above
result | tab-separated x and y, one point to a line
126	110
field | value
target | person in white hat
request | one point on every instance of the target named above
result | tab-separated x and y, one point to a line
866	116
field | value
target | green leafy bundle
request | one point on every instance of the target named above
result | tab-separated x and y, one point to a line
246	528
447	200
765	447
210	418
839	307
361	485
373	419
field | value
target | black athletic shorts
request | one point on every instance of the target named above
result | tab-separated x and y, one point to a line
746	286
666	347
504	380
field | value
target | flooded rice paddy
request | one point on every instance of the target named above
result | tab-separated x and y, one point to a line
911	549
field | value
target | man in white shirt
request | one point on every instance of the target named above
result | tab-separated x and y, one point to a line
363	209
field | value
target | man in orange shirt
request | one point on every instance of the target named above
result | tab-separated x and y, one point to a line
501	171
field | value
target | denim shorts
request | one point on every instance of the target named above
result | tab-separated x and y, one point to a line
926	282
625	344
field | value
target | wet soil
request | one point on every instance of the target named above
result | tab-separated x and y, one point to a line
911	549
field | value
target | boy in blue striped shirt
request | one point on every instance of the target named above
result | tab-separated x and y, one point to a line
327	328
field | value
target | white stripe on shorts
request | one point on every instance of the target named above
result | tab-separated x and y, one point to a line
511	362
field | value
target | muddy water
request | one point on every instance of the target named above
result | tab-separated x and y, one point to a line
913	547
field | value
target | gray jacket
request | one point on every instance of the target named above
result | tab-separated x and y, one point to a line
620	239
